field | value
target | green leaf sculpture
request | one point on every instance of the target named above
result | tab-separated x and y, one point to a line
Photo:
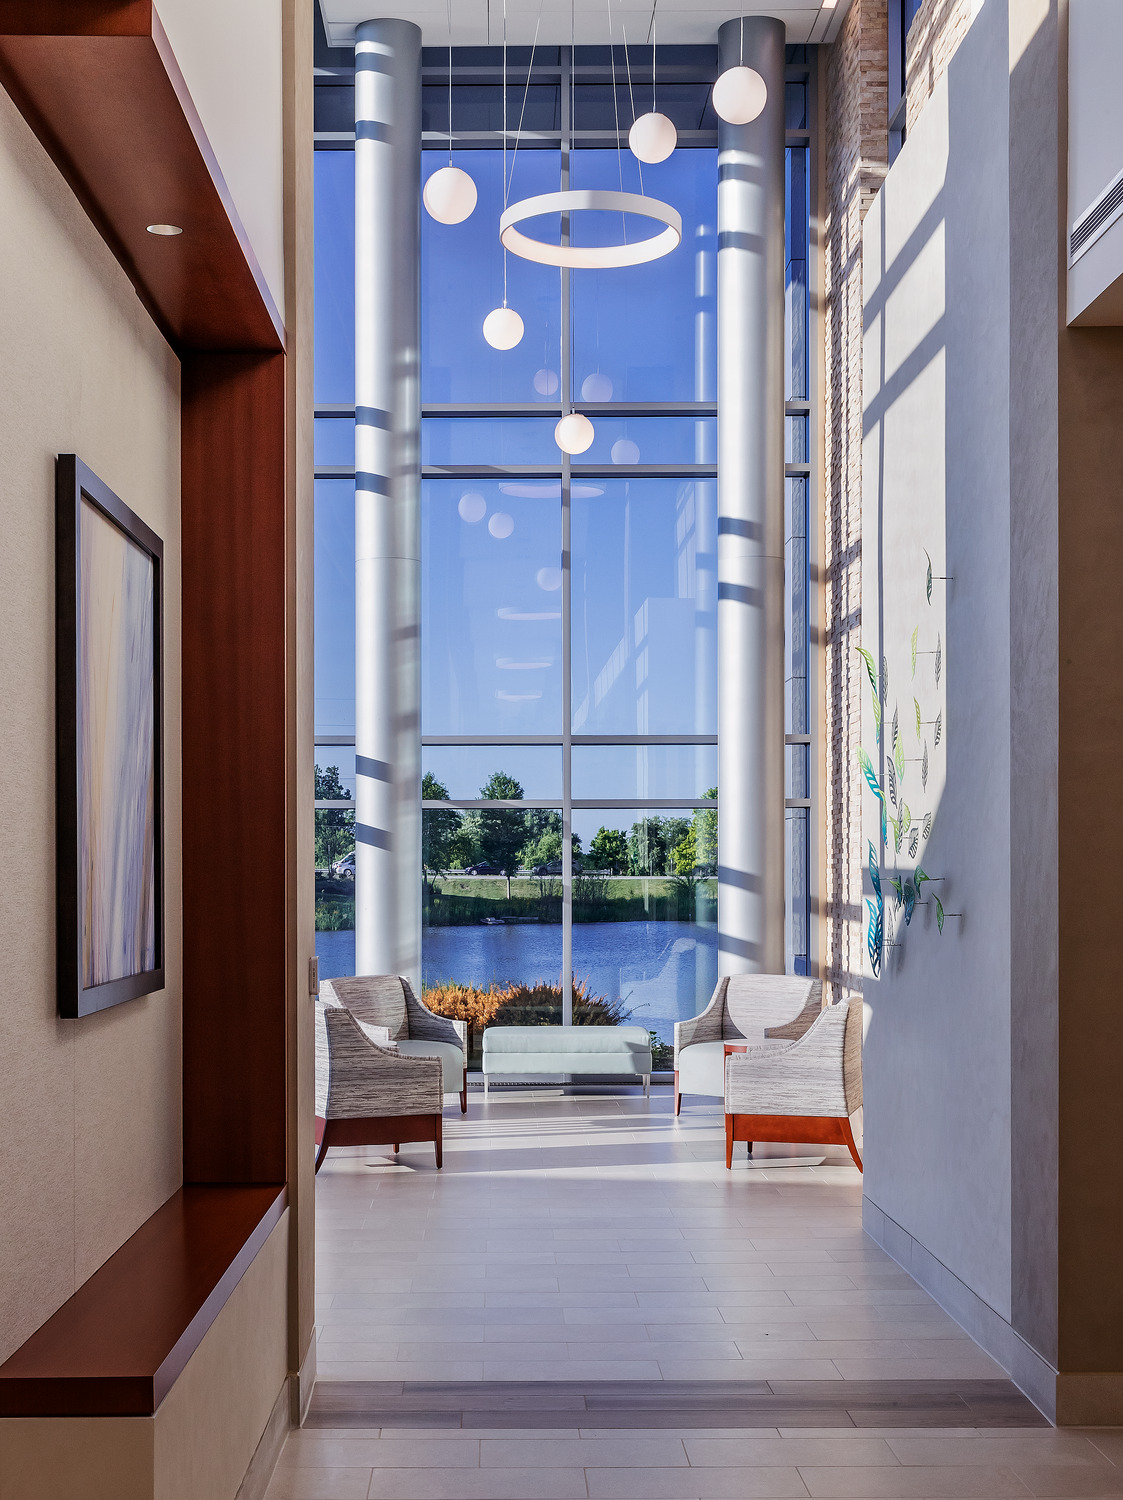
891	777
910	901
906	819
939	725
939	660
928	580
920	877
884	677
915	633
927	826
896	729
939	913
914	841
875	872
899	759
876	933
924	768
898	890
876	719
867	771
870	667
916	705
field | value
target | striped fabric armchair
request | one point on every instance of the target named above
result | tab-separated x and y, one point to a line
388	1000
745	1009
367	1092
805	1091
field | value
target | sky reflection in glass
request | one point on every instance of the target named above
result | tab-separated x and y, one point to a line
462	281
645	608
620	351
491	606
334	537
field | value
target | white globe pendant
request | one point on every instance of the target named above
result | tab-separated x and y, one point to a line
449	196
574	433
503	328
739	95
652	138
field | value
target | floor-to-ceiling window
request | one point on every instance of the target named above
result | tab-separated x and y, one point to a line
568	604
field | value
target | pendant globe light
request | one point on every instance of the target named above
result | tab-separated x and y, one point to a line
574	433
503	328
740	93
653	136
450	194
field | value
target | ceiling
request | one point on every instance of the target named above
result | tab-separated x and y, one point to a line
479	23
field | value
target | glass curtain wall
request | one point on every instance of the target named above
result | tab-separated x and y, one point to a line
568	605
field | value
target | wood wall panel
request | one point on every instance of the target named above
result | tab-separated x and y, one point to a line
234	749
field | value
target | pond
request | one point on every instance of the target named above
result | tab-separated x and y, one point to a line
662	971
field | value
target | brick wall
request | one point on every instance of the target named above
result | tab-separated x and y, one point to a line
937	30
856	160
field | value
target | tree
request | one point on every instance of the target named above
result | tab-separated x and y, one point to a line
439	828
705	836
609	850
335	826
502	831
686	854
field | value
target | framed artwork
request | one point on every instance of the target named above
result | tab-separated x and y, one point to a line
109	739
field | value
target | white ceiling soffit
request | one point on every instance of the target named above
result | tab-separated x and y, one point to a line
479	23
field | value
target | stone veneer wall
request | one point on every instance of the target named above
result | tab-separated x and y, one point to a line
937	30
856	160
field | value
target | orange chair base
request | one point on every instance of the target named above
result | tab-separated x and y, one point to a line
820	1130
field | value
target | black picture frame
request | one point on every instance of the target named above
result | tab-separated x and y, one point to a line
76	484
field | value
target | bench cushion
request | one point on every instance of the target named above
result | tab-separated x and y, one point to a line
566	1049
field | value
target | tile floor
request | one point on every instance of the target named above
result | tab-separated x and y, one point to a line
592	1238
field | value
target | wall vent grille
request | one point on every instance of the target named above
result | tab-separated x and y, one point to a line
1096	218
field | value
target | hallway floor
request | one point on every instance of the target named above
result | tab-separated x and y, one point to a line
584	1302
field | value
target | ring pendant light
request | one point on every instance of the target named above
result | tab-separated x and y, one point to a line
603	200
591	257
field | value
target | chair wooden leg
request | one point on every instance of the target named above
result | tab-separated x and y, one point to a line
729	1142
397	1148
438	1140
678	1096
322	1152
464	1094
851	1145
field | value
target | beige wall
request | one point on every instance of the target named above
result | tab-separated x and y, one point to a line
230	55
90	1145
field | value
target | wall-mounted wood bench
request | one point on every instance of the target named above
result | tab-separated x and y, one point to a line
116	1348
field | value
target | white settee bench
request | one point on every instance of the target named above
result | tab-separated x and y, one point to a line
535	1051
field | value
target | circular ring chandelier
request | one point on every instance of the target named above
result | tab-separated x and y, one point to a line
591	257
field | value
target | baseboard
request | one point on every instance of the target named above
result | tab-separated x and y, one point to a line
1032	1374
303	1383
268	1451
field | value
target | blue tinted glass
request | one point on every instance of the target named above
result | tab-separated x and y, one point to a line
462	281
797	771
489	440
797	926
795	106
335	606
334	442
797	589
621	351
463	770
652	440
796	439
796	310
661	771
342	757
491	607
335	277
645	607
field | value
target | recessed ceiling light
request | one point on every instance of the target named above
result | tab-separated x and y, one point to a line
164	229
829	4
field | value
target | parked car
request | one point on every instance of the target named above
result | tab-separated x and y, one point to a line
344	869
553	868
483	869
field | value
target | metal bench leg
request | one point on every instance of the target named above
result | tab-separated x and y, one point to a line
647	1085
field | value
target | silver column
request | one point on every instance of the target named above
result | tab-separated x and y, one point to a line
387	499
750	393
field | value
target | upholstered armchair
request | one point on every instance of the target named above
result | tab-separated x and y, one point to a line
367	1092
744	1009
805	1091
388	1000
